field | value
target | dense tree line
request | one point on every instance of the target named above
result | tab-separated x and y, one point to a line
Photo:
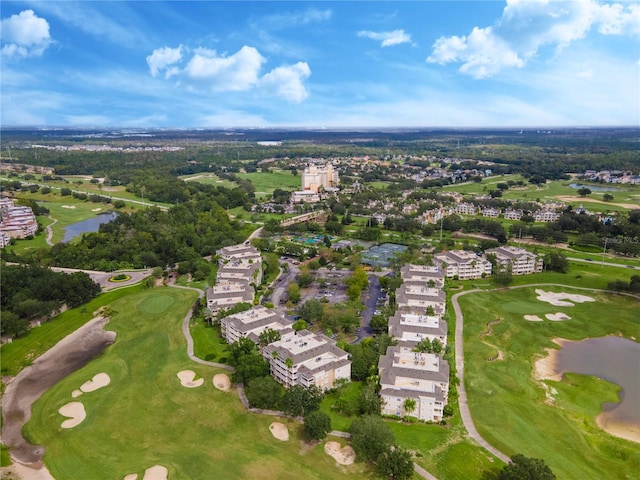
30	292
146	238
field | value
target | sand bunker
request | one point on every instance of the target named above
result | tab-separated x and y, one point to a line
344	455
533	318
76	393
556	299
99	380
96	209
76	413
68	206
157	472
222	382
187	379
279	431
557	317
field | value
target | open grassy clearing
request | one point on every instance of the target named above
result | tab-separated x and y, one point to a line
208	179
145	417
266	183
508	405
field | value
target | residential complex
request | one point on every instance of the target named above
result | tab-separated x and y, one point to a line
251	323
306	358
15	221
519	260
423	377
410	328
462	264
417	297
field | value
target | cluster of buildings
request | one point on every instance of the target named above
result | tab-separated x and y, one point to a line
316	179
15	221
297	357
611	176
412	382
465	265
543	214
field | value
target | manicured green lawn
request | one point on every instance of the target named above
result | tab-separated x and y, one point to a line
208	343
145	417
209	179
508	405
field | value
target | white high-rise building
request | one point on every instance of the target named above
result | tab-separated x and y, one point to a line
316	177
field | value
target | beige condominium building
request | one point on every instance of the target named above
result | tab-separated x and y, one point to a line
251	323
462	264
518	259
305	358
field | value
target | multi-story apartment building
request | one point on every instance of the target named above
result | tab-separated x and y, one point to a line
519	260
417	297
428	274
462	264
546	216
490	212
305	358
315	177
409	328
466	209
226	295
251	323
423	377
512	214
16	221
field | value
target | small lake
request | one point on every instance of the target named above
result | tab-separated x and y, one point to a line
614	359
89	225
594	188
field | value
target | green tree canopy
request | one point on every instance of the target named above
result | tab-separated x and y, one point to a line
316	425
524	468
370	437
395	463
300	401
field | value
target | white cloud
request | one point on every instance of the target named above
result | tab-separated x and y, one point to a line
287	81
24	35
235	72
161	58
527	25
203	69
388	39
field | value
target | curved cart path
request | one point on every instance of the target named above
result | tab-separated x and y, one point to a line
465	413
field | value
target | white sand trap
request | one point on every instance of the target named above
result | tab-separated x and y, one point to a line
187	379
222	382
96	209
131	476
557	317
99	380
157	472
533	318
344	455
557	299
279	431
76	413
76	393
68	206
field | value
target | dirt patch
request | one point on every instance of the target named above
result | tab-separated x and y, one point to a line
187	379
533	318
23	472
221	382
68	355
76	413
557	317
279	431
343	456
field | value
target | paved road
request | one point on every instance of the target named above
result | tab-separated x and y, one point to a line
371	305
600	262
102	278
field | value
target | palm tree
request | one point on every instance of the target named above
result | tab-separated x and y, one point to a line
409	406
289	363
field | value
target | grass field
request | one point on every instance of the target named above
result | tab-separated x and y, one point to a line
266	183
145	417
508	405
209	179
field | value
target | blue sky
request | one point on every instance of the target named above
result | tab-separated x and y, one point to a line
320	64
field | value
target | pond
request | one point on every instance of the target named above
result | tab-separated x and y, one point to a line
89	225
616	360
594	188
